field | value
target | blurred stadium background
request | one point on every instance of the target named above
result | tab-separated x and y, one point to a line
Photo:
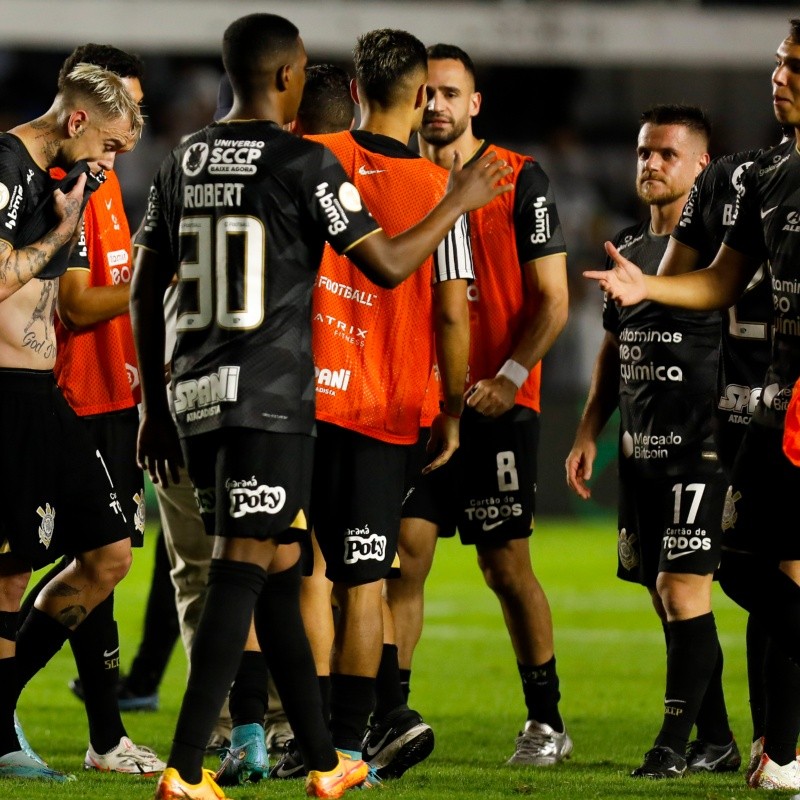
564	81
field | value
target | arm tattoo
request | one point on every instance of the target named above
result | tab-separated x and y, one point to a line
60	588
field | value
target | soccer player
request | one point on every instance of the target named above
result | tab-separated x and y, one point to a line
96	370
518	307
374	350
241	210
760	560
62	502
659	366
744	357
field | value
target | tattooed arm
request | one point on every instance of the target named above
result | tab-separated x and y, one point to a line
18	266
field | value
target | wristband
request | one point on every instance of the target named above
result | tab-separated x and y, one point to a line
443	410
514	371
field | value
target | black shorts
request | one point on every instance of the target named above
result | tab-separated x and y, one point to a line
115	435
671	524
356	500
487	491
57	497
252	484
762	499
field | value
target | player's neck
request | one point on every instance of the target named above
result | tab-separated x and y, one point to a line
392	123
663	219
466	145
42	140
256	110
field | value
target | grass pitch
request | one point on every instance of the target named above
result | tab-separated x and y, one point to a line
610	652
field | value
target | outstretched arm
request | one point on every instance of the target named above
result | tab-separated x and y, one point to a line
389	261
717	286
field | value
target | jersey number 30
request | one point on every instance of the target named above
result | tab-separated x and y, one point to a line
215	274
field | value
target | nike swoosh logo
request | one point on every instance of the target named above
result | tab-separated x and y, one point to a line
672	556
283	772
371	751
767	211
487	526
109	653
362	170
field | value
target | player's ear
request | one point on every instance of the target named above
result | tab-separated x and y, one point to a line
77	123
475	104
354	91
421	99
283	76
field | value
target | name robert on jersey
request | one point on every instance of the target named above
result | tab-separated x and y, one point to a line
212	195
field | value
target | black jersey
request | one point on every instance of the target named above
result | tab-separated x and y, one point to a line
767	228
668	363
244	210
745	343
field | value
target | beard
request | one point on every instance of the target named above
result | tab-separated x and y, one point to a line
442	136
655	193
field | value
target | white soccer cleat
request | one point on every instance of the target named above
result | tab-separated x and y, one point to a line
127	758
538	745
770	775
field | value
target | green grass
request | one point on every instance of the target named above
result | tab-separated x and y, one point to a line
610	657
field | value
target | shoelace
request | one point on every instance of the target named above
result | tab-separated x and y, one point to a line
535	741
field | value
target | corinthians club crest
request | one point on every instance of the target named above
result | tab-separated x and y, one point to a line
48	524
627	547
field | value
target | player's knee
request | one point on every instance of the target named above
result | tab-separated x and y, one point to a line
107	566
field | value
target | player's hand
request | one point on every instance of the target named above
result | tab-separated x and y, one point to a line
443	441
158	449
624	283
68	206
491	396
579	467
480	182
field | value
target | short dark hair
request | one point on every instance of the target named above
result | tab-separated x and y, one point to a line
385	60
257	43
794	30
440	52
691	117
126	65
327	106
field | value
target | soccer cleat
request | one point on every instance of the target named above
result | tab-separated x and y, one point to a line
661	762
345	775
172	787
769	775
25	744
245	761
277	735
706	757
21	765
538	745
372	780
397	742
290	764
756	751
127	758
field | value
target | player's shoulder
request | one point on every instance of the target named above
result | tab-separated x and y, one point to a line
773	159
